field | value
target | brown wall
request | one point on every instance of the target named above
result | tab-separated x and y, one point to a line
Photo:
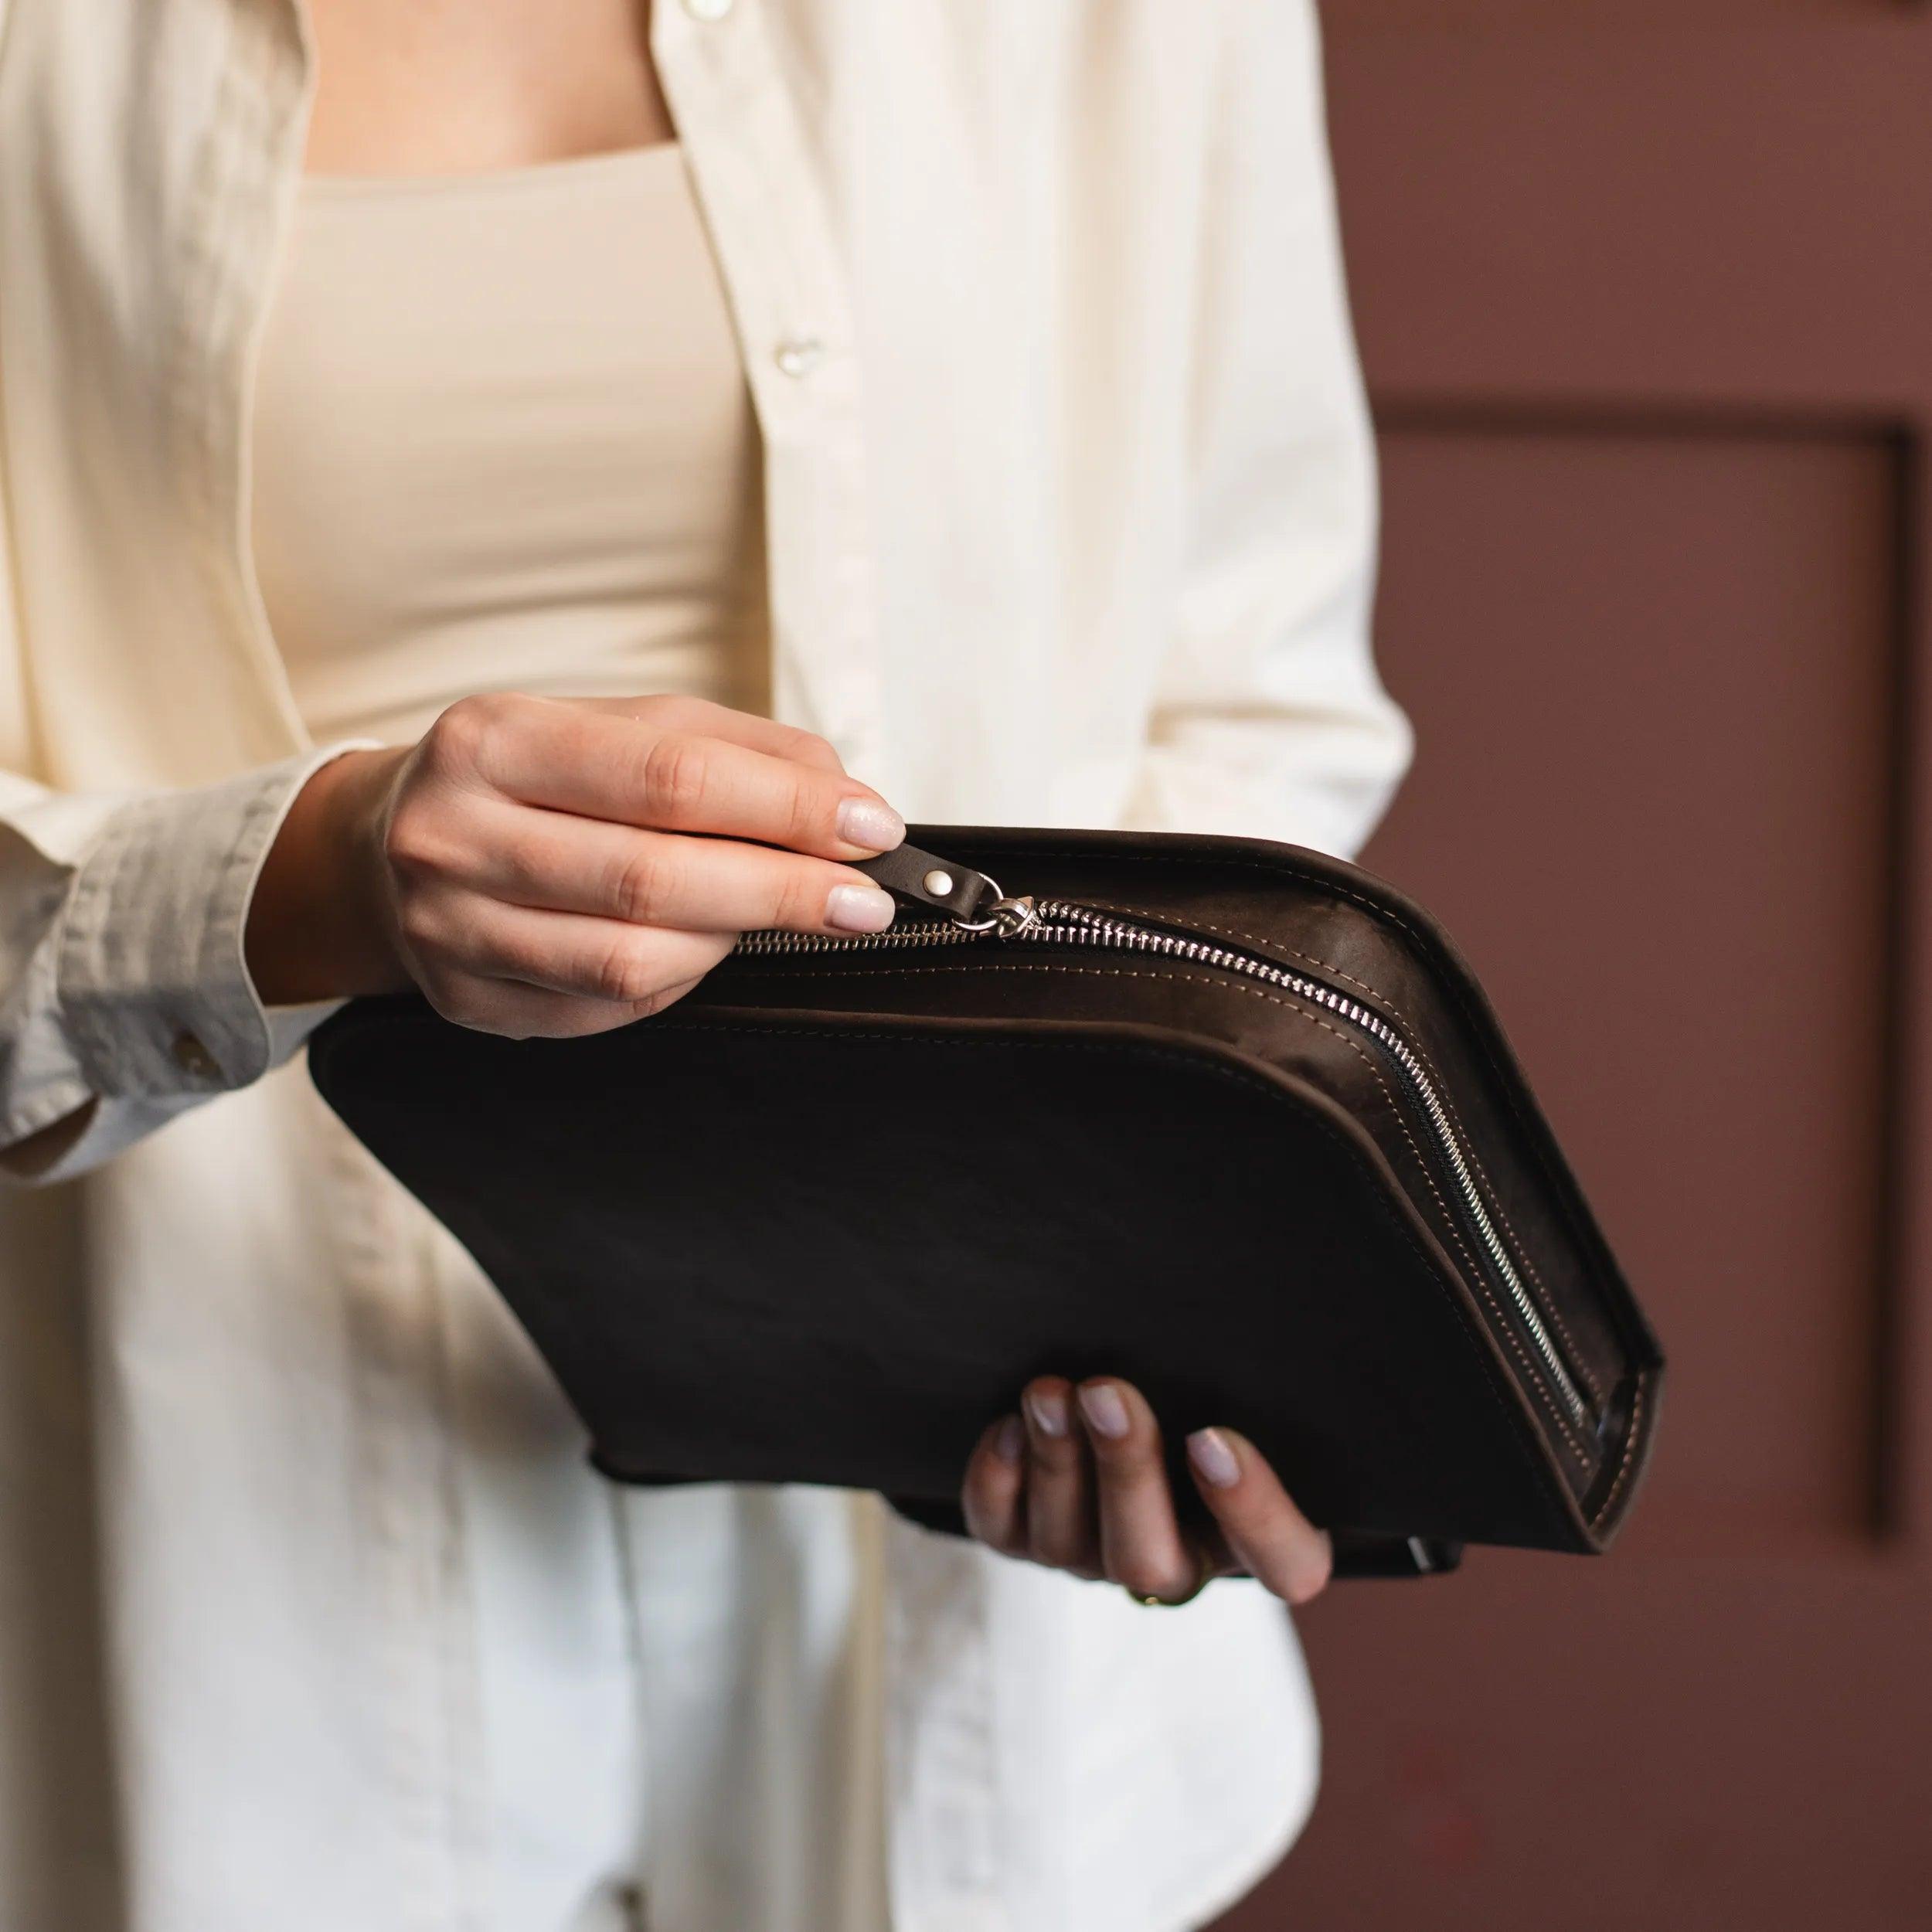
1646	297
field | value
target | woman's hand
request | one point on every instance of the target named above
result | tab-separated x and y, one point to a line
1080	1484
558	866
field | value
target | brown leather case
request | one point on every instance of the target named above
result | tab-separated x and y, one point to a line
1228	1118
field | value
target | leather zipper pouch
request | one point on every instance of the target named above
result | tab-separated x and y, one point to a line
1227	1118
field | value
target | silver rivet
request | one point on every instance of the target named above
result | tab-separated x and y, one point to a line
707	9
799	354
939	884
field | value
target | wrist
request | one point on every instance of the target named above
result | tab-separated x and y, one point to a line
317	928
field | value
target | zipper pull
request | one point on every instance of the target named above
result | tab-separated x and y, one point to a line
966	896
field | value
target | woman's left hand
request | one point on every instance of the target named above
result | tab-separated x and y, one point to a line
1079	1485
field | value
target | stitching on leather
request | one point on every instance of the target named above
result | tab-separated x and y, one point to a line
1520	1247
1577	1445
1540	1470
1533	1377
1421	1047
1630	1441
1253	939
1376	911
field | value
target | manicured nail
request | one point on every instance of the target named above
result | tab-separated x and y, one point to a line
867	822
859	909
1049	1412
1009	1439
1208	1451
1105	1412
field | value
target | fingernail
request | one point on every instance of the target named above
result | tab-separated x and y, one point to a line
1009	1439
1105	1412
1049	1412
1208	1451
867	822
859	909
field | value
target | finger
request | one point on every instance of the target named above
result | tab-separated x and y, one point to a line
527	1012
573	759
1141	1546
457	935
994	1494
1060	1527
710	720
560	863
1275	1542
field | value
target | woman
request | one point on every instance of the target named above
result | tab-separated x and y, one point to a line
436	440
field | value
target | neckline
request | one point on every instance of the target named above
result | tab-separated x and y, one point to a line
572	170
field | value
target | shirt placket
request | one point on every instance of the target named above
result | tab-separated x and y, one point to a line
759	185
760	191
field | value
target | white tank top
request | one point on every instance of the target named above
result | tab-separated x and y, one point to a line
502	441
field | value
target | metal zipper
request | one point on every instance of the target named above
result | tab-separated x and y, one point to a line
1060	922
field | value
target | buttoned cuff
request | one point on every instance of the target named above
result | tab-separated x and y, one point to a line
152	982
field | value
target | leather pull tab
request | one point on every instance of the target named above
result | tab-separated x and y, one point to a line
925	879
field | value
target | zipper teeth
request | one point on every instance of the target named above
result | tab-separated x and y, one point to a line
929	932
1058	922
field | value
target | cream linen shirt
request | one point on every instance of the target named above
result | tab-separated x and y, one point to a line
311	1617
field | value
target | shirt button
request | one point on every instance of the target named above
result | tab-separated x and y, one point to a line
799	354
194	1059
707	9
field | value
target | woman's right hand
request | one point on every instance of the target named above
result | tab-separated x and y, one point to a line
557	866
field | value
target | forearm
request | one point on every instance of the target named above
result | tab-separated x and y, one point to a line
317	928
160	948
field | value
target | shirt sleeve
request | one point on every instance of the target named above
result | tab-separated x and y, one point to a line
1269	719
124	996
